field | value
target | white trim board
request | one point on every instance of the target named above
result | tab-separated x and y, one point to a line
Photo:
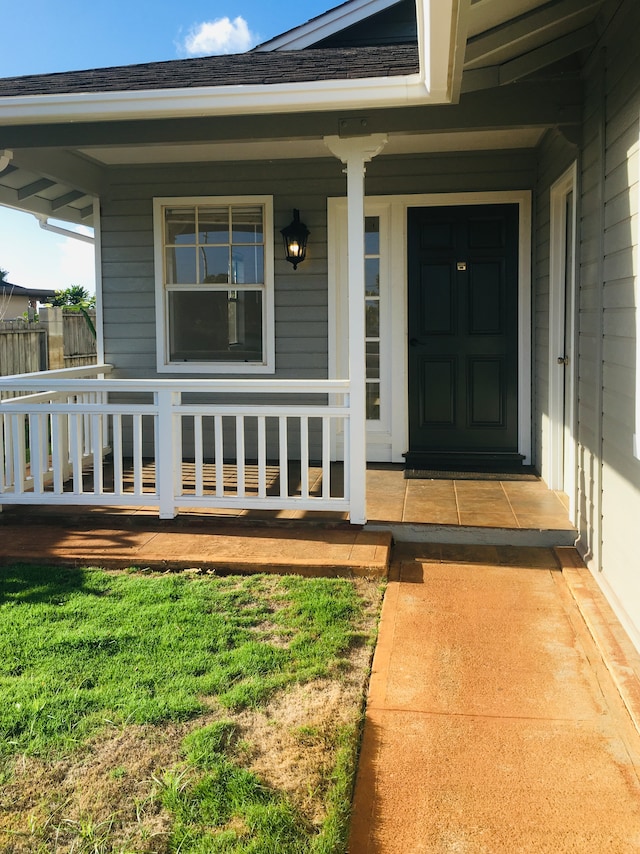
387	441
559	462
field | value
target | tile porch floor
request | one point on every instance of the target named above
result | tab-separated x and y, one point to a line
482	501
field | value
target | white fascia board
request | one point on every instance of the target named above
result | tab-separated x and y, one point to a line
437	25
369	93
327	25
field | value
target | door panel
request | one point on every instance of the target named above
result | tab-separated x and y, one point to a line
463	330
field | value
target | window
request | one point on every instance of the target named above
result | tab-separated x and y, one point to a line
214	284
372	314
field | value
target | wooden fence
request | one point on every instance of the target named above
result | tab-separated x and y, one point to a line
59	339
23	347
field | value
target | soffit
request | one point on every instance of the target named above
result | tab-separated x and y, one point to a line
27	190
287	149
512	40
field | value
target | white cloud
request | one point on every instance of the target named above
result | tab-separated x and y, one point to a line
219	37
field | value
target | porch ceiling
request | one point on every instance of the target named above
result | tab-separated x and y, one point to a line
286	149
510	40
61	186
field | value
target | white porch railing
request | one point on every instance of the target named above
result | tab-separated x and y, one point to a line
79	437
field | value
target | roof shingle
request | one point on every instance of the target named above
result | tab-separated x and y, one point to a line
242	69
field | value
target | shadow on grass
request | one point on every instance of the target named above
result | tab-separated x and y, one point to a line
24	584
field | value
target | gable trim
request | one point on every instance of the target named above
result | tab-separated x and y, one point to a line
326	25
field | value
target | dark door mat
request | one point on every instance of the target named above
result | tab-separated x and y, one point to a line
440	474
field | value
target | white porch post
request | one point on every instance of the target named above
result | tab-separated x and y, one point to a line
355	152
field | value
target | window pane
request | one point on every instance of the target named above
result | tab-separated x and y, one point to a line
214	264
372	276
373	401
247	225
372	235
372	325
181	265
373	359
247	265
215	326
213	225
180	226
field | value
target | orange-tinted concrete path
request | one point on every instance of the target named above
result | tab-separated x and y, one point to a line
493	725
180	545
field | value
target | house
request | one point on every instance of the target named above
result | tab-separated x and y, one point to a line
15	301
468	175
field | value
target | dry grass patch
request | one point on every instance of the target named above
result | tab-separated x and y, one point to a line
289	727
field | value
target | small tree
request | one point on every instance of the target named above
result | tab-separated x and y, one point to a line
76	298
75	295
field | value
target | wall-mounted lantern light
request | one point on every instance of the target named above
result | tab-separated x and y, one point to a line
295	237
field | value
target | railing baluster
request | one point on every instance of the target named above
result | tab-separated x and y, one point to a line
97	444
35	453
137	454
199	455
283	456
76	440
304	456
19	452
8	454
219	455
262	457
58	452
117	454
240	457
3	455
326	457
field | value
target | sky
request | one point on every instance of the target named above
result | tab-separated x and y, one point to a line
45	37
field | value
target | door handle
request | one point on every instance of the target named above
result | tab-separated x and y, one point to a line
563	360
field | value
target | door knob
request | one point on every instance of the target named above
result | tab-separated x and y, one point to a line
563	360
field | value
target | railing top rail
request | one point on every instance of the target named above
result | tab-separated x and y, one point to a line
42	379
74	380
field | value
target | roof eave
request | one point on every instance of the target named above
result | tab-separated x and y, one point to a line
368	93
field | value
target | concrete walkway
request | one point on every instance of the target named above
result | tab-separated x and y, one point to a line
494	723
110	542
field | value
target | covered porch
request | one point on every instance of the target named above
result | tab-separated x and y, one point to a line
79	443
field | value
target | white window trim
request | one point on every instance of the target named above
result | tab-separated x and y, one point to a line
558	440
268	317
636	437
379	431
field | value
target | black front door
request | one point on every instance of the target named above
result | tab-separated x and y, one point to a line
463	336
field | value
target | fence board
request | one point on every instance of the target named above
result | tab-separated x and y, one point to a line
24	345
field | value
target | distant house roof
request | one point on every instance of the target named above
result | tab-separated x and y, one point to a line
242	69
40	294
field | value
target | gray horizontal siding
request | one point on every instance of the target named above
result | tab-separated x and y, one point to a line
610	505
301	296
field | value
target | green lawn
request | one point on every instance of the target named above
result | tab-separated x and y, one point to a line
179	712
